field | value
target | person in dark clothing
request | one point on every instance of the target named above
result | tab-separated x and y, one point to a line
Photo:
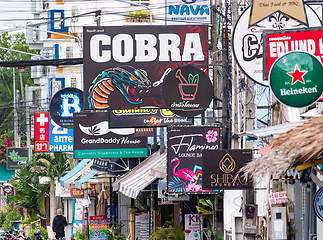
59	224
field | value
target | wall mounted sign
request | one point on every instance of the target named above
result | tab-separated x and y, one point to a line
247	43
184	12
296	79
93	190
63	104
41	132
184	156
261	9
145	117
318	203
220	168
278	43
187	91
125	67
94	139
60	139
16	157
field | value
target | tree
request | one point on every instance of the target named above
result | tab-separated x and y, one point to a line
206	210
31	194
17	42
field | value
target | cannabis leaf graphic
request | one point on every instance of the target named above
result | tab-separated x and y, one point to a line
94	130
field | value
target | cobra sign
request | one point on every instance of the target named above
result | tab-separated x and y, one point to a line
124	67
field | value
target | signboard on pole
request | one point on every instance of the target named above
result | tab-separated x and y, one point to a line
220	169
60	139
94	139
184	156
98	227
124	67
247	42
16	157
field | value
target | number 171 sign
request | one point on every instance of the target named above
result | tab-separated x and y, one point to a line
41	132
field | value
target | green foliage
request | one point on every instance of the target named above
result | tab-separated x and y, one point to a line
79	234
142	202
44	233
11	215
2	218
16	42
206	210
31	194
111	230
172	233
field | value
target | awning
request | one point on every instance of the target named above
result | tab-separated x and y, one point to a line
271	131
142	175
87	177
77	171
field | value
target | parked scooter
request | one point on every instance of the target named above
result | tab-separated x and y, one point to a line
8	235
38	235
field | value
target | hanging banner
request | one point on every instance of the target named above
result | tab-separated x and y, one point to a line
124	67
184	156
221	167
145	117
98	228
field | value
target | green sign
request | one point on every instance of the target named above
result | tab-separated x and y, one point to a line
111	153
296	79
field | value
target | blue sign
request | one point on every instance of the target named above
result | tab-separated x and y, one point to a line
318	203
63	104
60	139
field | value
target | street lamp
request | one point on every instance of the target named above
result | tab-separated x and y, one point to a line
140	5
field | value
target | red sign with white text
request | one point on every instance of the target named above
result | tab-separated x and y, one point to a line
278	43
41	132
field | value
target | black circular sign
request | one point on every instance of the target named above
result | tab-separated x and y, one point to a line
187	91
63	104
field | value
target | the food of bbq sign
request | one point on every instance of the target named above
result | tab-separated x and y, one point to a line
124	67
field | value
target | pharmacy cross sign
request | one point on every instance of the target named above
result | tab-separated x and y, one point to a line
296	79
42	119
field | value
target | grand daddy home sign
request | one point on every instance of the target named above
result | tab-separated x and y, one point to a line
124	67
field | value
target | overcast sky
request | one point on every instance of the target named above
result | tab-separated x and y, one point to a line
15	12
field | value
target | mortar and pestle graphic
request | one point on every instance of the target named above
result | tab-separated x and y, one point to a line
188	89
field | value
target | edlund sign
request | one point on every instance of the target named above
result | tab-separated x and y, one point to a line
296	79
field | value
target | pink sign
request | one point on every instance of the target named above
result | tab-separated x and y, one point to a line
93	190
277	197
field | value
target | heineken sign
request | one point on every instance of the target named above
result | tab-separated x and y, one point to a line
296	79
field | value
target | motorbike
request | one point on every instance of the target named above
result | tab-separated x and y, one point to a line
38	235
8	235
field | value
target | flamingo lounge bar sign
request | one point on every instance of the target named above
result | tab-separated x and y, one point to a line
184	153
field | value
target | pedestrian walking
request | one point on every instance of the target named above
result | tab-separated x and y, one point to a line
59	224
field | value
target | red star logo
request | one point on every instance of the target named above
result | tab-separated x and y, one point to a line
297	75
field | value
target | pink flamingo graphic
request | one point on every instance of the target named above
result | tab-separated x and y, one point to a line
184	173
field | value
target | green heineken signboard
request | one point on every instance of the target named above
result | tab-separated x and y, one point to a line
296	79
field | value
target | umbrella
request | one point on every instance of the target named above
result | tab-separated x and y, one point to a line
100	208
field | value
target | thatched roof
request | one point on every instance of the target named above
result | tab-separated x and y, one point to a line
300	145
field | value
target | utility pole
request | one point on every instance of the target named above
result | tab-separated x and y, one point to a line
28	120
